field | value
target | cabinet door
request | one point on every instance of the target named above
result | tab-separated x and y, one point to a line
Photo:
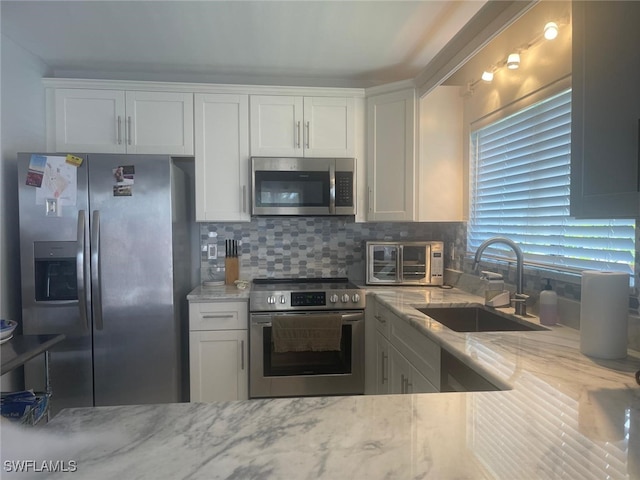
605	110
218	365
420	384
329	127
89	121
276	126
399	372
382	364
159	122
441	141
391	153
222	157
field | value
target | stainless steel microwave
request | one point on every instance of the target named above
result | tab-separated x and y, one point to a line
405	263
303	186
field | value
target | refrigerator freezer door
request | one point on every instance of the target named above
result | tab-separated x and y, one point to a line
136	334
53	241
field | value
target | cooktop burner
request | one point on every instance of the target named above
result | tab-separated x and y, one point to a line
333	293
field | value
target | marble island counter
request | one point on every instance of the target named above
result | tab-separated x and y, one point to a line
563	415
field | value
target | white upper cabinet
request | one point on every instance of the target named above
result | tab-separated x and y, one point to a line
222	157
159	122
89	121
391	156
329	127
116	121
292	126
605	110
440	185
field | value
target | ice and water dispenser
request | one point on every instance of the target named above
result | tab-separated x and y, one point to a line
55	271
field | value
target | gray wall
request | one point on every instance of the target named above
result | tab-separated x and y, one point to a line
23	129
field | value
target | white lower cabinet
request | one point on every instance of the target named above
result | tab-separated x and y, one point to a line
382	364
218	356
404	377
404	361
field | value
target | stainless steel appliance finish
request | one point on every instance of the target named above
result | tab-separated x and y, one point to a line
303	186
111	272
274	374
405	263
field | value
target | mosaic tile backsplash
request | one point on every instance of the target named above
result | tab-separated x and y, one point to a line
310	246
334	246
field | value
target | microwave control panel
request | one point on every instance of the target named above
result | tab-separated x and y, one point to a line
344	189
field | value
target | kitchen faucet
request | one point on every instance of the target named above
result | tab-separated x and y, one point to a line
520	297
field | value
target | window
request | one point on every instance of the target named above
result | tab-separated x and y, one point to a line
520	179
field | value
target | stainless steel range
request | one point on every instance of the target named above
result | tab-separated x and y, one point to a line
306	337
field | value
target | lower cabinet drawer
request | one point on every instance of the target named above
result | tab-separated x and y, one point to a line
218	316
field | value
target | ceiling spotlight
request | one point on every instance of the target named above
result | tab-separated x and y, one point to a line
487	76
551	30
513	61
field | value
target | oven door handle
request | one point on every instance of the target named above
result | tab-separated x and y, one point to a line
265	320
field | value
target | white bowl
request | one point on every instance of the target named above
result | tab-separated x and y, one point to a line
6	328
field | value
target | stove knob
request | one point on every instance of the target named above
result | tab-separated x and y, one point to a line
333	298
283	299
271	299
345	298
355	298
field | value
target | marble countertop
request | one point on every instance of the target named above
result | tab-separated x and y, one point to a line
565	416
221	293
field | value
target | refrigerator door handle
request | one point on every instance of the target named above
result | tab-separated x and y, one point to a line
80	270
96	289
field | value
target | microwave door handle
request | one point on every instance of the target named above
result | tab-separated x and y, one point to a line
400	264
332	188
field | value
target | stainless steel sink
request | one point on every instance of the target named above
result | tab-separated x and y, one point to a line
476	319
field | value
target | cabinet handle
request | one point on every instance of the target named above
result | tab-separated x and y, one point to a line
383	358
370	204
119	130
209	317
404	388
129	129
241	354
380	319
297	135
308	135
244	199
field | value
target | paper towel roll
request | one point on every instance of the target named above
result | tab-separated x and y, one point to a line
604	314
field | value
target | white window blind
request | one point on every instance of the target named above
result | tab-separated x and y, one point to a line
520	180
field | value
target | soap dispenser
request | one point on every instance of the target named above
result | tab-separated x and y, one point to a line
548	305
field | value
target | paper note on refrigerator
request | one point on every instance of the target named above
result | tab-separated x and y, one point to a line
60	181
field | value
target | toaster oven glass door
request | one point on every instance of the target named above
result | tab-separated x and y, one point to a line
384	261
415	263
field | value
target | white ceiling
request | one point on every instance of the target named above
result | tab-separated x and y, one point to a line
327	43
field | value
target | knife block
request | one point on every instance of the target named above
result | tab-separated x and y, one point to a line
231	270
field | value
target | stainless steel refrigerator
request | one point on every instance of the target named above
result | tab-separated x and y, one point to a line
104	253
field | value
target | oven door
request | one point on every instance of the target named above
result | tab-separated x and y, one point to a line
302	373
292	186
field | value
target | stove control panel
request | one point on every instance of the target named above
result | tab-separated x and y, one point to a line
307	300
